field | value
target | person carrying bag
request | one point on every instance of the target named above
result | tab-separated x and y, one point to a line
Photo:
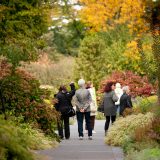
65	107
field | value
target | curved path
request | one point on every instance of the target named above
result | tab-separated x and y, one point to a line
75	149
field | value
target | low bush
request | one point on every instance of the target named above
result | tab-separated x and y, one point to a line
124	128
100	116
18	139
37	140
150	131
146	154
146	104
130	145
13	145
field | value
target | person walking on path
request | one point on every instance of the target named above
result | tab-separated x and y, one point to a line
64	98
108	104
125	100
93	104
118	92
82	101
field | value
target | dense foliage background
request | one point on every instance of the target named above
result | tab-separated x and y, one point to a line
46	43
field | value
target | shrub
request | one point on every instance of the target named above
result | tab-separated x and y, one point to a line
13	145
100	116
130	145
36	139
146	104
150	131
146	154
5	67
124	128
52	73
154	130
16	139
139	86
22	95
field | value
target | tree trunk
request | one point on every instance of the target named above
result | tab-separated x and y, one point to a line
2	104
155	29
142	55
156	53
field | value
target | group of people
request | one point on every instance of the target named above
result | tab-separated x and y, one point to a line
114	100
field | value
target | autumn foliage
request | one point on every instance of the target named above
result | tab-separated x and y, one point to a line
139	86
109	13
22	96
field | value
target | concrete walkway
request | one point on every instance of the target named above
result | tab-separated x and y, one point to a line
75	149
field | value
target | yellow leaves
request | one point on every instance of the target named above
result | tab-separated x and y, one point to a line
101	14
132	51
96	13
132	12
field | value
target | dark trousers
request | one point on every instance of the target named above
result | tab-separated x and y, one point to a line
64	122
80	117
92	121
108	119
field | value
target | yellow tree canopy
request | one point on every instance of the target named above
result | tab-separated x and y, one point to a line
102	14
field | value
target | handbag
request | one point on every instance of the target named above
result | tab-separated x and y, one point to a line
100	109
71	112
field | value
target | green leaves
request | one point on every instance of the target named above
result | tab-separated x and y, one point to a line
90	62
67	39
21	25
22	95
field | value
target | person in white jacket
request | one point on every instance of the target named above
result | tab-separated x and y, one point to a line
118	92
93	104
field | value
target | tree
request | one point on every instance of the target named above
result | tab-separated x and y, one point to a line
22	24
67	38
141	16
147	66
91	58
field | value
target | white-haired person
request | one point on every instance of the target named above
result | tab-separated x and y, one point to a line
125	100
118	91
82	102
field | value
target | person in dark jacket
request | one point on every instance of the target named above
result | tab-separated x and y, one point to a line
64	98
125	100
108	104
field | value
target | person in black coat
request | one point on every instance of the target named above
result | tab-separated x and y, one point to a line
125	100
64	98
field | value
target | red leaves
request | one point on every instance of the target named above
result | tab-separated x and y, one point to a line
138	85
5	68
23	96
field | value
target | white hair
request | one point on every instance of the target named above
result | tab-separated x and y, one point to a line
125	88
81	82
118	85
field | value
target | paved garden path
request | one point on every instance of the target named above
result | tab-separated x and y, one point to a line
75	149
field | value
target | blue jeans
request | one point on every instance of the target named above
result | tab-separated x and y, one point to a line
80	117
